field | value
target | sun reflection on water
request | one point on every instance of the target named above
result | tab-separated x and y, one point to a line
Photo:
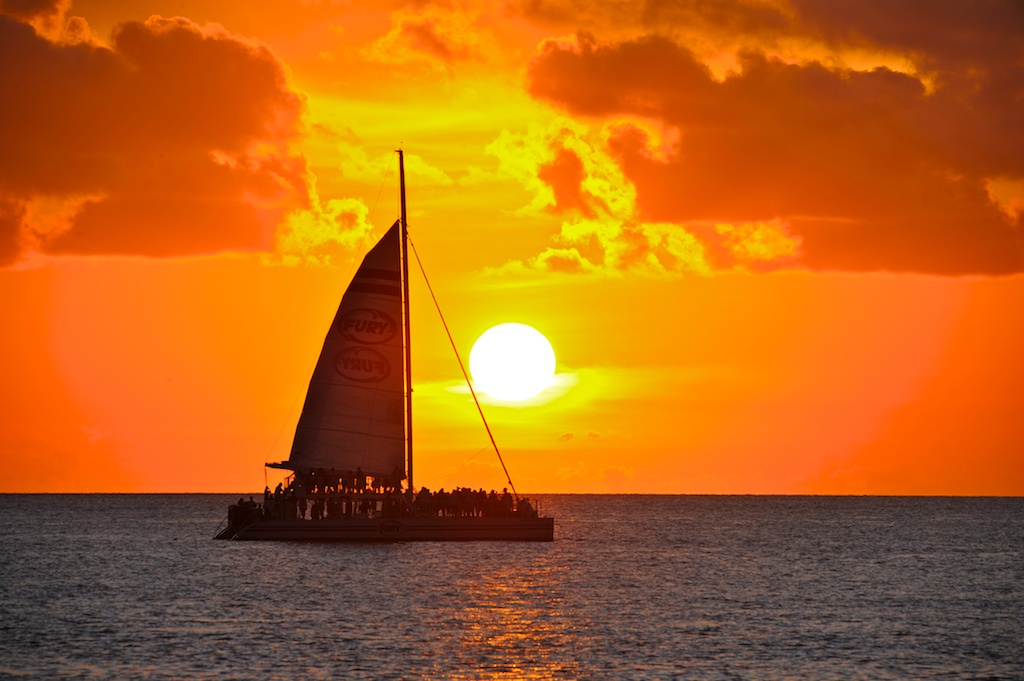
512	625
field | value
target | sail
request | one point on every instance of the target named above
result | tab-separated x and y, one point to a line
354	414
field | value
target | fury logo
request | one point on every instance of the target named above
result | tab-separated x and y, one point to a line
367	326
389	527
362	365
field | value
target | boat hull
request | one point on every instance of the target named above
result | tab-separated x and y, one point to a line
396	530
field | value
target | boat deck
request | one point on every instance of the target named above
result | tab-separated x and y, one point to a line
364	529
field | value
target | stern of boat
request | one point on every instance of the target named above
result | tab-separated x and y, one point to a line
240	516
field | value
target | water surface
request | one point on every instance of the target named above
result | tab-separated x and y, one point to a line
634	587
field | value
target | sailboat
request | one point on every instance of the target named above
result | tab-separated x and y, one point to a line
351	459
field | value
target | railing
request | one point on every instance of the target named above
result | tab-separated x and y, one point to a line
220	528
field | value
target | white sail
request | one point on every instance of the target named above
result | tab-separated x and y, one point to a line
354	414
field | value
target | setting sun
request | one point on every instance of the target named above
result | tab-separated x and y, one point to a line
512	362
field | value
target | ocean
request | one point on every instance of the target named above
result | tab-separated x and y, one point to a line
633	587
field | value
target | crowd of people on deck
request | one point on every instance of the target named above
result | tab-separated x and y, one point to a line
324	494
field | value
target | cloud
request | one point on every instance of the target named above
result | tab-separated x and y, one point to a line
908	35
316	235
593	478
355	164
46	16
721	16
11	215
868	170
565	175
573	175
176	135
566	260
434	34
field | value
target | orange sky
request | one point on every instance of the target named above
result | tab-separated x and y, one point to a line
778	246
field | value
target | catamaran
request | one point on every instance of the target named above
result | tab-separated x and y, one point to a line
351	459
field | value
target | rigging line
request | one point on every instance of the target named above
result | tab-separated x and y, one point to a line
463	368
457	467
354	264
277	438
380	191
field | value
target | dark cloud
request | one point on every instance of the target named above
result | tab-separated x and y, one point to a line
950	36
730	16
565	174
11	215
173	140
425	37
47	16
444	35
174	226
27	10
954	34
870	169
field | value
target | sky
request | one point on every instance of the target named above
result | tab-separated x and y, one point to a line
777	246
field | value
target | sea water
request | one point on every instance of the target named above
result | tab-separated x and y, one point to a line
633	587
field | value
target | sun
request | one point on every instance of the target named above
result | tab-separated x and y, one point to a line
512	362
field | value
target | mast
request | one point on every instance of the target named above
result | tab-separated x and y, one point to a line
405	309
